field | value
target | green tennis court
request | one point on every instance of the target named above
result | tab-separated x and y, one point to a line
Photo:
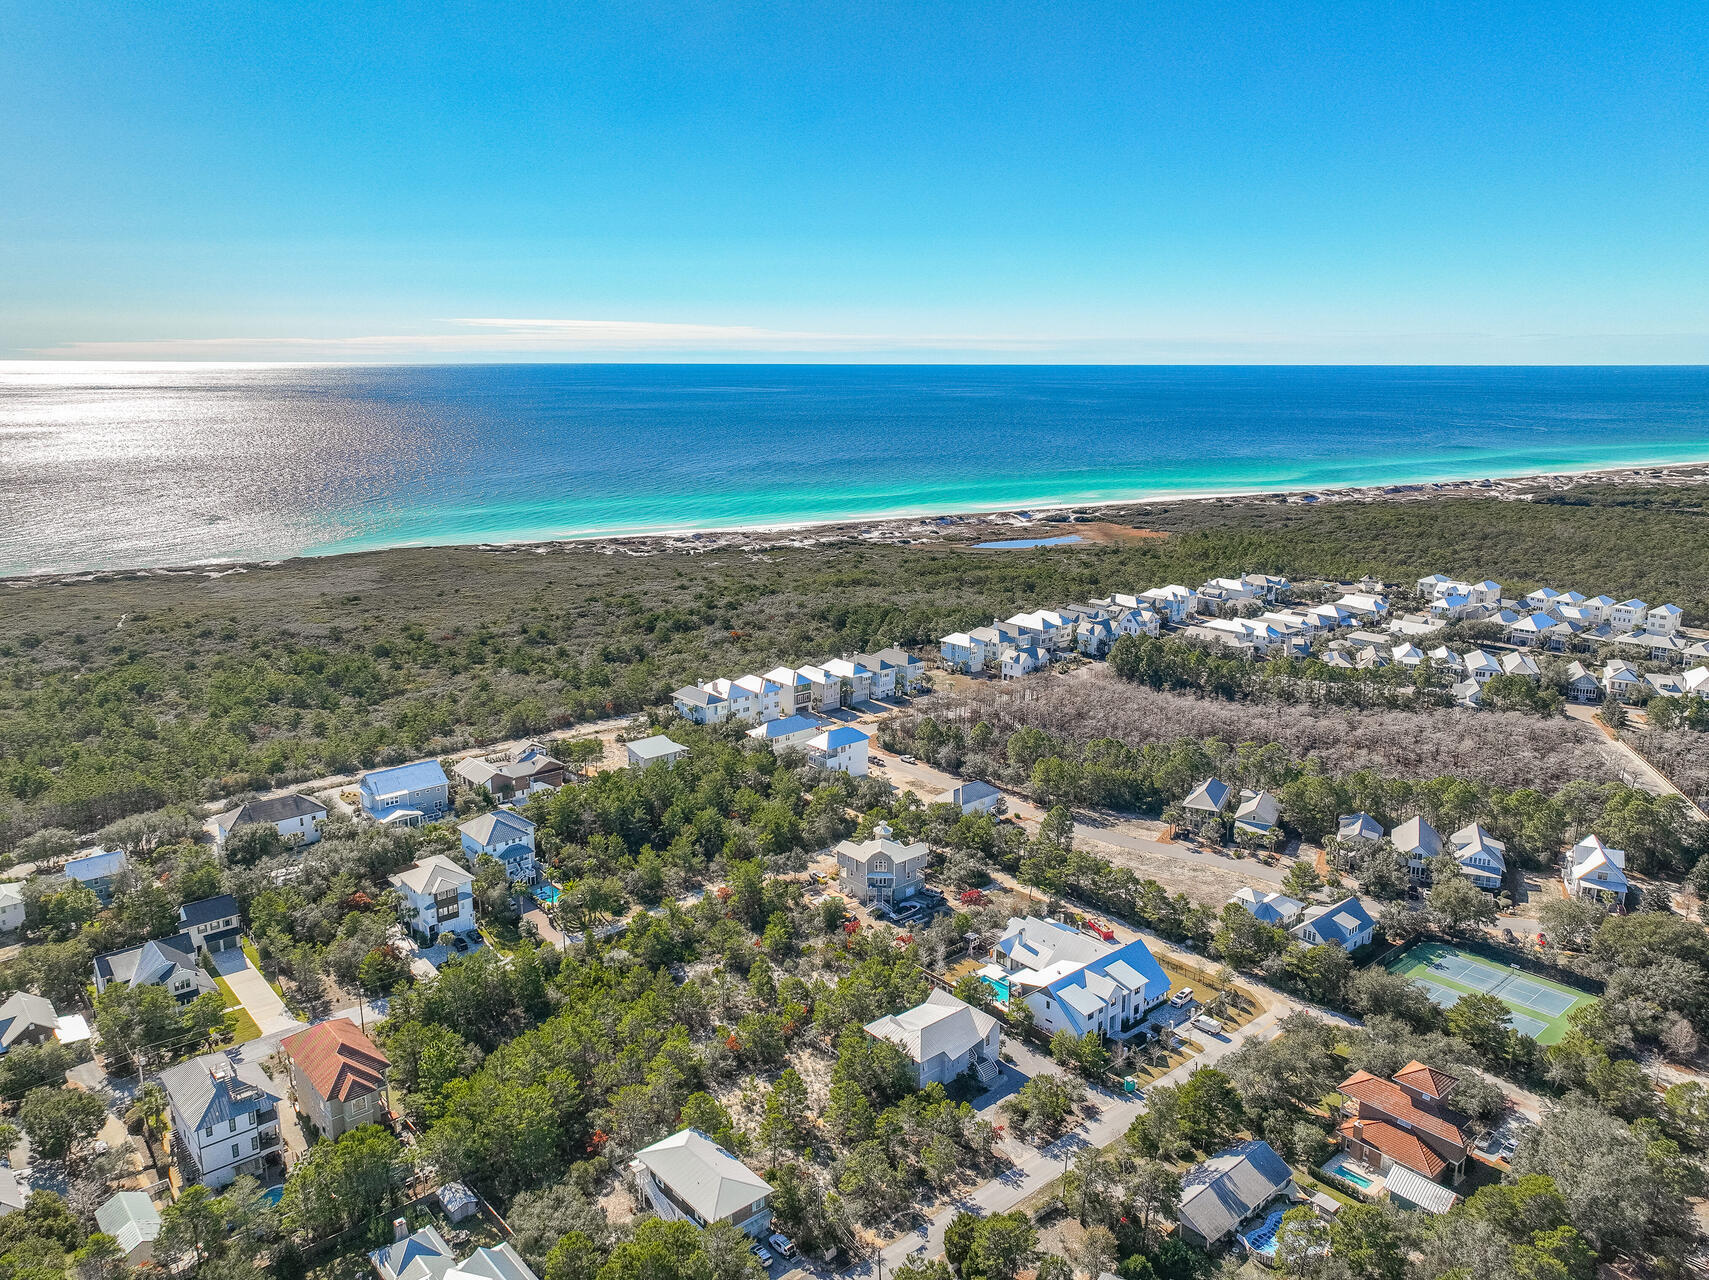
1539	1006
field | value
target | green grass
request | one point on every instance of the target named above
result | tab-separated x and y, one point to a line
1415	962
244	1027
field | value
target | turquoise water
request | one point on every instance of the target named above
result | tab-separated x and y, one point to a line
112	465
1357	1179
546	894
1025	543
1262	1238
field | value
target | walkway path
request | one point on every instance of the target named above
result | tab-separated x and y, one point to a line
1639	771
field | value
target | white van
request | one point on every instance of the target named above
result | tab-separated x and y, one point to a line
1209	1025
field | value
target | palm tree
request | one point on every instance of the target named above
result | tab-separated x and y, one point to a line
148	1109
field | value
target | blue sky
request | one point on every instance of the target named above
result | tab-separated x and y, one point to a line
1156	182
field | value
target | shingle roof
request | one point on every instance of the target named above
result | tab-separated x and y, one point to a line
207	910
22	1013
274	810
1218	1194
338	1060
435	874
942	1025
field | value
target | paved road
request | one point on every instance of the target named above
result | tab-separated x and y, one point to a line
1640	772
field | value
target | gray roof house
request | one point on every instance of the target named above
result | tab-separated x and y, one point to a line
26	1019
657	749
1356	827
161	962
971	797
1345	924
1210	796
943	1037
421	1255
688	1176
97	871
131	1219
225	1119
295	818
1222	1192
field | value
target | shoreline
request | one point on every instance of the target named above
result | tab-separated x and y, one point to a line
959	528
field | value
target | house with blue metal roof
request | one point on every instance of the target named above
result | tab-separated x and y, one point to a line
406	795
97	871
1072	980
1345	924
507	836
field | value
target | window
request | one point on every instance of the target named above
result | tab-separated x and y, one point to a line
233	1126
236	1150
210	1131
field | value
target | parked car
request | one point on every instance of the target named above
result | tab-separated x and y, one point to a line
908	759
763	1254
782	1243
460	943
1209	1025
1182	998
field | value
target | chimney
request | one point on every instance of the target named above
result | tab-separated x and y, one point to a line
400	1228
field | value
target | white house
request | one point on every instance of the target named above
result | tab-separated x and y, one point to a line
1593	870
406	795
11	907
1208	799
882	674
1073	981
439	896
688	1177
296	818
792	731
1621	680
225	1119
1447	660
1055	630
1436	584
1271	908
507	836
658	749
1022	661
1481	856
881	870
824	690
841	747
1173	602
211	924
1363	604
1407	654
856	681
944	1038
1538	630
1480	666
1664	619
794	691
1345	924
972	797
767	694
910	669
1467	693
700	705
1520	664
1358	829
1599	607
742	700
1629	615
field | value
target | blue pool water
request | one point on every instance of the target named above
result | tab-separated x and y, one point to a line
273	1195
545	894
1027	542
1357	1179
1262	1238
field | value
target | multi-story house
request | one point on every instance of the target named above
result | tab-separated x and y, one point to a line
439	897
1073	981
211	924
1481	856
338	1076
509	837
1405	1121
296	818
842	748
855	679
881	870
944	1038
225	1119
160	962
689	1177
699	704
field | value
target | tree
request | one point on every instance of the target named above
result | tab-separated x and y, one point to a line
1302	1243
1056	829
343	1182
1244	941
574	1257
1003	1244
1210	1109
192	1225
148	1109
1571	922
1371	1240
1302	879
1482	1021
959	1236
1458	903
60	1120
785	1123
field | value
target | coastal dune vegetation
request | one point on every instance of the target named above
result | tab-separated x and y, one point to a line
122	693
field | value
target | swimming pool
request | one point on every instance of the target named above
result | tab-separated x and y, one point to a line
1357	1179
1262	1238
545	894
1022	543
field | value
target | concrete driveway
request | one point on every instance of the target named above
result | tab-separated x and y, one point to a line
253	992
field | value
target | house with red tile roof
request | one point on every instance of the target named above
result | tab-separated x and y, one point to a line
1405	1121
338	1076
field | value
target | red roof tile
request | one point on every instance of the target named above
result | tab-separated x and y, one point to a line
1397	1144
339	1062
1427	1080
1392	1100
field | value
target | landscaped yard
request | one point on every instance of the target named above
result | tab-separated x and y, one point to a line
244	1027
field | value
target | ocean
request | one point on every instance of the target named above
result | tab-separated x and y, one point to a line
146	465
